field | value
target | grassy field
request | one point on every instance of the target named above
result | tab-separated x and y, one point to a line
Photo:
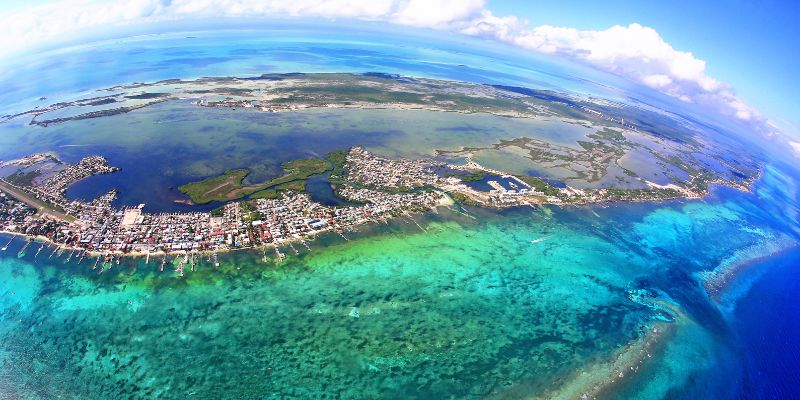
337	159
539	185
470	177
215	188
230	186
23	179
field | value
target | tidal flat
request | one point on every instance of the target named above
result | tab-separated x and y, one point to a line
185	143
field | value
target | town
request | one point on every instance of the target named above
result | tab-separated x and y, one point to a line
376	188
97	228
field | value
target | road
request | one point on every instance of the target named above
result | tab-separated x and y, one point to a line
31	200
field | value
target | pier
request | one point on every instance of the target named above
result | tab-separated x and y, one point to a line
280	255
25	247
297	253
9	242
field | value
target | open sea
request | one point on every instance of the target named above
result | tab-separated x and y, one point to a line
518	303
607	300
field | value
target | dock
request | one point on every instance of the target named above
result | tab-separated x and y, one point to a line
181	264
21	252
9	242
280	255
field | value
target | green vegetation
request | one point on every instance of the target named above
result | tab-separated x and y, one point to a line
299	169
249	211
470	177
295	186
23	179
216	188
608	134
337	159
640	194
266	194
275	192
230	186
539	185
462	199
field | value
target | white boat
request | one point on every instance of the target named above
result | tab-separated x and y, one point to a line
539	240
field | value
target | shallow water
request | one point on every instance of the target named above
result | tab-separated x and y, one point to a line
469	308
161	147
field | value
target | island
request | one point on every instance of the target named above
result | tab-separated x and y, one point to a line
605	165
230	186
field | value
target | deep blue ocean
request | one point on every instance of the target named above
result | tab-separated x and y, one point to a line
480	304
767	322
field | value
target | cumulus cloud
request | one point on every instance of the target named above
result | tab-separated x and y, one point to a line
635	52
795	147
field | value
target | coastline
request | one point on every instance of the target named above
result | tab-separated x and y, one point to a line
445	201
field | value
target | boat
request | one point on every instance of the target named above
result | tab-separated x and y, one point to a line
109	259
181	264
9	242
280	255
22	251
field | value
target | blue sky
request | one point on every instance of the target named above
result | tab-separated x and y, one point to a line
753	45
737	57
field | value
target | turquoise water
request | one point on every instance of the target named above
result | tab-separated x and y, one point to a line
469	308
607	299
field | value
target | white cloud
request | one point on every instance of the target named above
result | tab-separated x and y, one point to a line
635	52
795	147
